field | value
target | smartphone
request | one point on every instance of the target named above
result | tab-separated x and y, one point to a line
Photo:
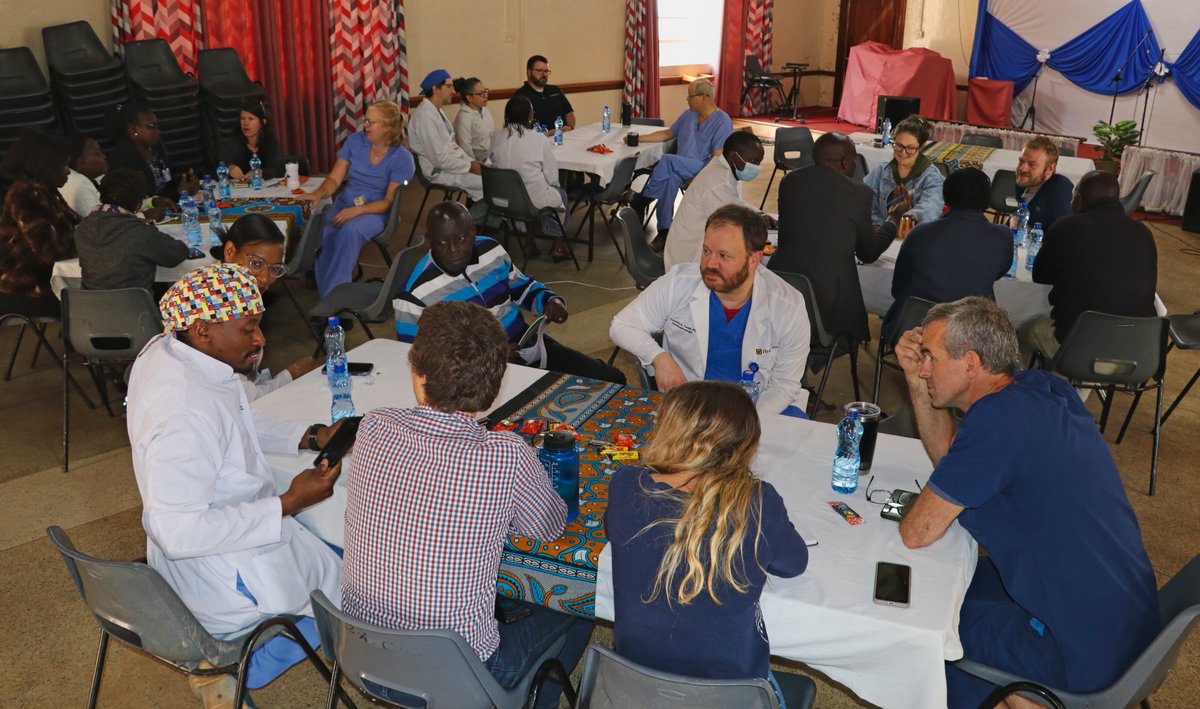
356	369
340	443
892	583
897	505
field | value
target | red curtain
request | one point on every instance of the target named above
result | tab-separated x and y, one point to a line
731	72
641	57
284	44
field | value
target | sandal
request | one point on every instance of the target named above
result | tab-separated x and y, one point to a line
530	249
560	252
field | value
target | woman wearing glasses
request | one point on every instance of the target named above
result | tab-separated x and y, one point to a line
139	148
372	164
253	136
474	125
254	241
694	534
908	173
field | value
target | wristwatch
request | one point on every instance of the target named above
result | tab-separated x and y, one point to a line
313	430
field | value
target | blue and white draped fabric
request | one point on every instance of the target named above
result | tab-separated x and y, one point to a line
1082	44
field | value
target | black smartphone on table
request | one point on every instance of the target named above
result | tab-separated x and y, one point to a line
892	584
897	505
341	442
356	369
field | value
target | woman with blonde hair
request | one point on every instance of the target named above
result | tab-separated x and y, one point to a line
373	164
694	534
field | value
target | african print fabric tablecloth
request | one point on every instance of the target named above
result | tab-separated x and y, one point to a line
561	574
957	155
294	210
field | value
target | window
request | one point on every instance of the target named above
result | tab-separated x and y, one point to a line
689	34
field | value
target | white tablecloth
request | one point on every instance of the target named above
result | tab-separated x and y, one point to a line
825	618
573	153
1168	189
1073	168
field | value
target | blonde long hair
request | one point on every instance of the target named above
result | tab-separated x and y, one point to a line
712	430
395	121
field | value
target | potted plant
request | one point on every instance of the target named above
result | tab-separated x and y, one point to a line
1114	138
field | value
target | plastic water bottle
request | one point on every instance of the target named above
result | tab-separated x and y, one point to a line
216	230
606	121
191	225
210	191
558	125
1020	230
886	138
560	458
223	186
749	385
255	172
1035	245
845	461
335	346
340	384
539	128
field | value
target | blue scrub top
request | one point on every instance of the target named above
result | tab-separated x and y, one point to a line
371	181
693	140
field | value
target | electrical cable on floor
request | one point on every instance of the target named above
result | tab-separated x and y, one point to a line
587	285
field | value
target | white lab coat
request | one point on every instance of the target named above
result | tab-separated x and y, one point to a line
208	498
532	155
80	194
677	304
714	186
473	131
442	160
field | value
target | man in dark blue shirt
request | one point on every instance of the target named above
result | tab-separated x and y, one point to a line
1047	193
1066	596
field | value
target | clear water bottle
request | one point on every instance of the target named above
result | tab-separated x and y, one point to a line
845	461
606	120
216	230
1020	233
335	346
749	385
210	191
191	225
560	458
1035	245
886	138
223	186
558	125
340	384
255	172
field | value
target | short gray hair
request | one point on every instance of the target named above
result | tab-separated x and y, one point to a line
703	87
979	325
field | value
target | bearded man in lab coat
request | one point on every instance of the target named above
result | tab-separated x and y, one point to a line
215	529
722	315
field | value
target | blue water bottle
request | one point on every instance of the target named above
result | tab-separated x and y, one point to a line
558	131
340	384
335	346
223	186
748	384
1035	245
191	225
606	120
846	460
256	177
885	139
561	460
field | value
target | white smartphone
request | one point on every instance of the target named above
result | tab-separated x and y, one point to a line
892	584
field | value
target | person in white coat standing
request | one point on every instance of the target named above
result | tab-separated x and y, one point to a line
718	184
518	147
215	529
431	137
720	316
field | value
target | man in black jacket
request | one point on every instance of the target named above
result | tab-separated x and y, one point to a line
1096	259
824	224
1047	193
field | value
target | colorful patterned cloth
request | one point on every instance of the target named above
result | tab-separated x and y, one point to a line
561	574
294	210
957	155
213	293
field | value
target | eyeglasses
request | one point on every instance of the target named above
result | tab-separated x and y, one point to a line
906	149
879	496
258	264
480	93
692	96
541	71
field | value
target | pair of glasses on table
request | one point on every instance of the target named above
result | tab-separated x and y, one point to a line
879	496
895	502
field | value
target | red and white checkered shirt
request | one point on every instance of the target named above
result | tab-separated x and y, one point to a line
430	499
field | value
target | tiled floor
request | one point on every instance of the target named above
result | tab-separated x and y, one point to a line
47	660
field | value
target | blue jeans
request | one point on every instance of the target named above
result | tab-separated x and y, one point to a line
523	641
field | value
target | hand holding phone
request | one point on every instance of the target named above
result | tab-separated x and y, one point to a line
309	487
340	443
892	584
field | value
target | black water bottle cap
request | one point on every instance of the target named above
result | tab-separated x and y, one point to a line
559	441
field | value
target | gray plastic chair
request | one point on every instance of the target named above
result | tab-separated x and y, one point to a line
661	123
793	150
1064	152
597	199
431	668
912	313
643	264
103	327
1133	200
154	72
987	141
1004	188
304	255
610	681
1185	335
448	193
390	227
822	343
756	77
74	52
1179	608
507	199
369	302
1134	348
133	603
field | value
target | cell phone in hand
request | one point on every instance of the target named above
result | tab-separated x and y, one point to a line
341	442
892	584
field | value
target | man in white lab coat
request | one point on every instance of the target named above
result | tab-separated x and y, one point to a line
719	317
718	184
431	137
215	529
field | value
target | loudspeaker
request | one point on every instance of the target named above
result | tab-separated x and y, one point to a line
1191	208
896	108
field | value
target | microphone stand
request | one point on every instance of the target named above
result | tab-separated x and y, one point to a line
1031	112
1116	80
1147	85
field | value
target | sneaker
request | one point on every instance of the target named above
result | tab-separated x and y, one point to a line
215	691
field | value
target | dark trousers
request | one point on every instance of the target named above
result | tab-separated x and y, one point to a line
523	641
560	358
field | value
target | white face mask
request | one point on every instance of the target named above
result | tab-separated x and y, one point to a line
748	171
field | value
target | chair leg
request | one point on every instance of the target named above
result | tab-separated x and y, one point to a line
387	258
878	371
1129	416
566	241
16	348
335	678
37	346
613	237
854	371
99	673
1182	394
554	671
816	405
768	191
101	387
1107	406
1157	432
66	403
370	335
613	357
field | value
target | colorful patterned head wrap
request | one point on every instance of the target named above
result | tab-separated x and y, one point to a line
213	293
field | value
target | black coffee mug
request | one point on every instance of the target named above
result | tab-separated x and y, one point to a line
631	139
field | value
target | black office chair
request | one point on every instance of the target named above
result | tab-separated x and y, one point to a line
823	343
793	150
987	141
761	79
1004	190
448	193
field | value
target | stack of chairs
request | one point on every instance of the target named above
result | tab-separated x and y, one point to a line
88	82
224	85
25	99
157	81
